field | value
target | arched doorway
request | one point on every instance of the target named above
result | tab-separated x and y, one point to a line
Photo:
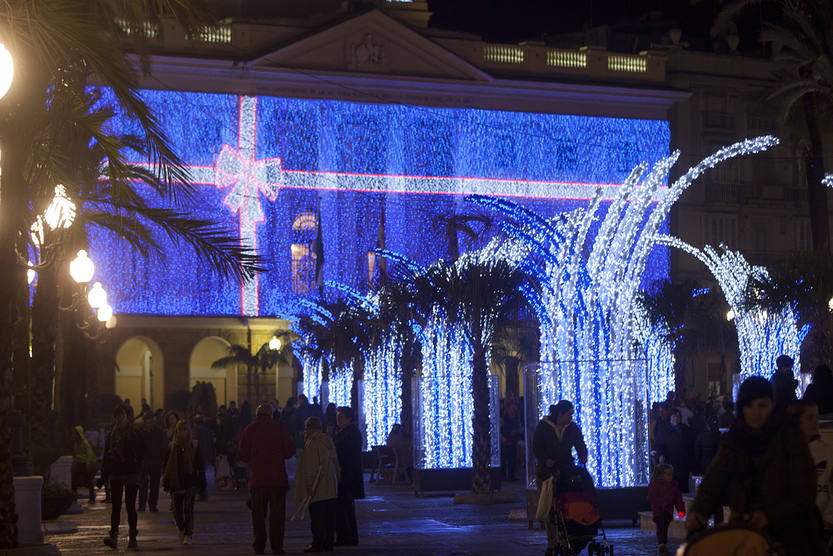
140	373
224	380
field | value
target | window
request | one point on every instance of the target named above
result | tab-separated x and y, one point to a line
720	228
304	257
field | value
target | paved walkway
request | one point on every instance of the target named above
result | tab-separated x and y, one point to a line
391	521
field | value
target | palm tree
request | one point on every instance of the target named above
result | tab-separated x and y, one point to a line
478	295
259	362
691	320
61	43
803	282
802	28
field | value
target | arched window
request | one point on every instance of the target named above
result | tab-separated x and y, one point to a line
305	226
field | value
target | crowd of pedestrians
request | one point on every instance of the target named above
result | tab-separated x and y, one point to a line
142	452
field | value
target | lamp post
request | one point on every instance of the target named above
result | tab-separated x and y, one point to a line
6	70
275	343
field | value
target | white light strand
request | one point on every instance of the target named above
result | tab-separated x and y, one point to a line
762	336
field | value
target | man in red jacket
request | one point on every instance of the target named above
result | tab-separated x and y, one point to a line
264	445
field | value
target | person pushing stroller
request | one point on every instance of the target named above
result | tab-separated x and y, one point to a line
554	439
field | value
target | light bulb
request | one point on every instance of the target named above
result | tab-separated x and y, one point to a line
6	70
30	273
82	268
105	312
97	296
274	343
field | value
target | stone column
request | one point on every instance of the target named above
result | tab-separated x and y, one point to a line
27	504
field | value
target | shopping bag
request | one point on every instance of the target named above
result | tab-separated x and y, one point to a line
544	500
221	467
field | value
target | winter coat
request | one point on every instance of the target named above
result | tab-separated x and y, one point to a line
319	452
664	496
822	453
155	447
676	444
546	445
123	454
348	443
264	445
705	448
183	468
820	391
769	471
783	388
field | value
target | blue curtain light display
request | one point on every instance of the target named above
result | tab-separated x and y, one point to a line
261	163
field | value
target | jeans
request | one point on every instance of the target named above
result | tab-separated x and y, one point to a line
117	487
273	500
347	530
183	503
663	521
322	523
149	488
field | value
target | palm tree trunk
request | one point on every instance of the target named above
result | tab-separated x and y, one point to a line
482	449
44	334
816	190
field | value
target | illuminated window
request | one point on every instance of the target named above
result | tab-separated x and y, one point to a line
631	64
566	59
303	267
305	221
503	54
147	29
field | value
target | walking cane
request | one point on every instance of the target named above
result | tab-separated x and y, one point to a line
305	504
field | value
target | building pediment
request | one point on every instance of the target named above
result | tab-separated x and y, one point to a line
372	43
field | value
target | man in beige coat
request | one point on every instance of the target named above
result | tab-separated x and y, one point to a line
317	477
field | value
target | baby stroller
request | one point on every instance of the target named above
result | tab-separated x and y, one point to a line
729	539
576	515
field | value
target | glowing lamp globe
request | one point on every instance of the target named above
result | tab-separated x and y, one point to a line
81	268
274	343
30	273
730	315
830	304
105	313
97	296
6	70
111	322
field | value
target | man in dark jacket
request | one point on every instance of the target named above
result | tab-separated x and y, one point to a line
123	453
264	445
784	382
155	443
348	441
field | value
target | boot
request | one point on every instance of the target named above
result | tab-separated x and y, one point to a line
131	542
112	541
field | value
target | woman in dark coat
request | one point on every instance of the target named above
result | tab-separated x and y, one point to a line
676	444
820	391
764	471
183	476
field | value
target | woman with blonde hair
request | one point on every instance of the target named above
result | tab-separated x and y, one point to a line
183	470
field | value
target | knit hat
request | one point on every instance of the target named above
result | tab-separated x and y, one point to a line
753	388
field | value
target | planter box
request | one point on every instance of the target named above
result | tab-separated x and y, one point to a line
53	506
449	480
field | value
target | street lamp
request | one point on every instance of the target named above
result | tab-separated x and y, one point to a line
97	296
730	315
30	273
105	313
275	343
81	268
6	70
61	211
830	304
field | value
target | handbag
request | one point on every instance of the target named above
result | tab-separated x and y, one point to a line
544	500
